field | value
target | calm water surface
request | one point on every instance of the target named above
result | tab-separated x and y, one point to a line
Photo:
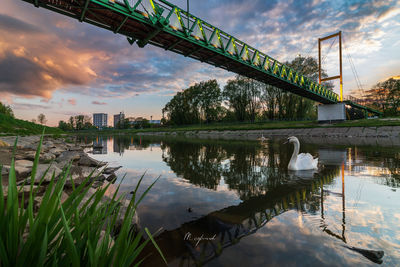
234	203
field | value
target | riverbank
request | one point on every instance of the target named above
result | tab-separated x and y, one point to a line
336	132
12	126
237	126
385	136
56	154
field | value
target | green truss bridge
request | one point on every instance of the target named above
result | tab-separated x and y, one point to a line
165	25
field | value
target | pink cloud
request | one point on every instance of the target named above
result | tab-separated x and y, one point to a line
98	103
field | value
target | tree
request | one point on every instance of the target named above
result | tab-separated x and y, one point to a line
279	104
72	122
243	96
42	118
64	126
198	103
386	96
209	99
6	110
236	95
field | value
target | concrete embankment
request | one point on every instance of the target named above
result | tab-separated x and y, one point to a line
385	135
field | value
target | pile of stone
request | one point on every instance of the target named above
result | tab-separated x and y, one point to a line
55	155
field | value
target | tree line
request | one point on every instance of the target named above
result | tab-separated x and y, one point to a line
242	99
385	96
79	122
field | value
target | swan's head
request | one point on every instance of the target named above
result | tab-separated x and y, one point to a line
292	139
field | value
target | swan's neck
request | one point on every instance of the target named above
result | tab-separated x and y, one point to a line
293	159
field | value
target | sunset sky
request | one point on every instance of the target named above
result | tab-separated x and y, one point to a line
58	66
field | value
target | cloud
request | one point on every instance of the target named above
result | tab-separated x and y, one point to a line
25	106
41	51
98	103
12	24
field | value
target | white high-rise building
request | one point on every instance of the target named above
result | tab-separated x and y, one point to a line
100	120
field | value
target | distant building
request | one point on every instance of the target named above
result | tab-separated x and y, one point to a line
155	121
117	118
100	120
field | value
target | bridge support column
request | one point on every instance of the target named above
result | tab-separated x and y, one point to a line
332	112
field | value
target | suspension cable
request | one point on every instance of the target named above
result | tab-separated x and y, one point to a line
353	69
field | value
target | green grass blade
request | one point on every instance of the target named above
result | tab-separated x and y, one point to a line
33	175
43	250
1	198
70	242
155	244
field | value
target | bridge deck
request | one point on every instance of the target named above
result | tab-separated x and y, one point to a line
165	25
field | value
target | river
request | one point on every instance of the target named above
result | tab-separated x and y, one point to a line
234	202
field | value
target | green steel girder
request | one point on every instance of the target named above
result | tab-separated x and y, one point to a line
84	10
142	43
248	56
120	25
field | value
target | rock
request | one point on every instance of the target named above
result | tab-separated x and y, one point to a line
75	148
98	181
48	144
111	178
20	189
2	143
111	170
33	146
56	151
41	170
97	184
46	157
135	224
39	199
102	236
85	160
28	155
101	178
23	168
86	171
67	156
5	170
80	173
24	163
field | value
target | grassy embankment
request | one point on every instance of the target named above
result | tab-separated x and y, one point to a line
260	126
12	126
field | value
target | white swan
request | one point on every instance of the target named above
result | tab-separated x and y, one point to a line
303	161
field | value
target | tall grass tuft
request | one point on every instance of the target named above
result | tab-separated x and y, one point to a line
76	232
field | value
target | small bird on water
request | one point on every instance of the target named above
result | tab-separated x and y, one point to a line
262	138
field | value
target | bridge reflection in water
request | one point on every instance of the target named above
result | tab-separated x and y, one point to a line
256	173
228	226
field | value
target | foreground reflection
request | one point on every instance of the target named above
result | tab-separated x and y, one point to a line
205	224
